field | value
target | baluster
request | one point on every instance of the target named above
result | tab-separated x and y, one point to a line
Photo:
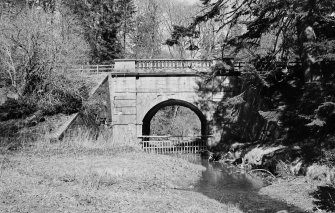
164	147
174	147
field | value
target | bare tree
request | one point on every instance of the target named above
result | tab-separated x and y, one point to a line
34	49
147	38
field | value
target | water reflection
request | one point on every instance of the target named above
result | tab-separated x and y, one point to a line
228	185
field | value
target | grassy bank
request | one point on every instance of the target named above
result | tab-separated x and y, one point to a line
308	194
82	176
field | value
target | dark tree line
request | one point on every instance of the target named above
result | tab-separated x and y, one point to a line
299	100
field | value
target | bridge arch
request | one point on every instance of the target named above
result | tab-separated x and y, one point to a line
172	102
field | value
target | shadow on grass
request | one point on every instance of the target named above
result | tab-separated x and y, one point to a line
325	198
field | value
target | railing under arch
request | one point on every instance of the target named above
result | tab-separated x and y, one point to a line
173	144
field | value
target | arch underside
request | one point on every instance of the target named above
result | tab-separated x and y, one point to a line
172	102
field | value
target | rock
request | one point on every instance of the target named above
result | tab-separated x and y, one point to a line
237	161
236	146
256	156
321	173
216	156
279	160
34	119
205	154
6	94
296	166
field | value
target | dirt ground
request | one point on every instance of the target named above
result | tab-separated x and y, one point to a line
100	181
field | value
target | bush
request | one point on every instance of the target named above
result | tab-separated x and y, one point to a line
36	47
329	158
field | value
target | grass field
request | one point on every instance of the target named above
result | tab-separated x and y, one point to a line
79	175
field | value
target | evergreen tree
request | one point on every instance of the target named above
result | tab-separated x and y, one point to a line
300	99
102	20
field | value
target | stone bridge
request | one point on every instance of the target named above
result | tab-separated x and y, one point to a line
138	89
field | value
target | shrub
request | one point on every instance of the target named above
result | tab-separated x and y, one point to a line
35	48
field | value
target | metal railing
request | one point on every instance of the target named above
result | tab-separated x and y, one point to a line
173	144
93	68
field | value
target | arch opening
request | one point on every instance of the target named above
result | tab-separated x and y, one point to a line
146	130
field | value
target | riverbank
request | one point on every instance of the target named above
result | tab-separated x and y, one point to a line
309	195
295	191
66	178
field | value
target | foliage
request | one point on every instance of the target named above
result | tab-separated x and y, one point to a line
101	21
302	95
147	36
184	42
35	46
175	121
128	10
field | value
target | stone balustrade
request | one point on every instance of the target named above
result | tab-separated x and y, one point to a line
156	65
175	64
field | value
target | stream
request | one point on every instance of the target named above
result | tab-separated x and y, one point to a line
227	184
